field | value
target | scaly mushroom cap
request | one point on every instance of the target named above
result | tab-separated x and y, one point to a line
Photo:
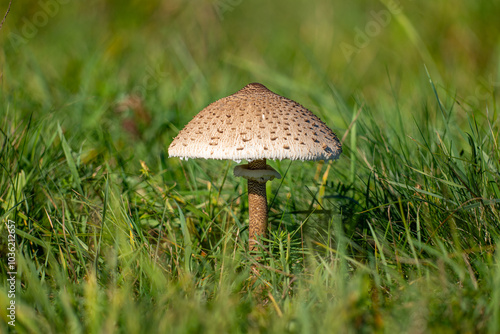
255	123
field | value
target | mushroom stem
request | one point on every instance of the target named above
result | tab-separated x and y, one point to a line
257	206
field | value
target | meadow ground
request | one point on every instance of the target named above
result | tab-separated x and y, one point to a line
400	235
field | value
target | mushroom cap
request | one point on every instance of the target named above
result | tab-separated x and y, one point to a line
255	123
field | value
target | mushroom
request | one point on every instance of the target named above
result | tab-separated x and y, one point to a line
255	124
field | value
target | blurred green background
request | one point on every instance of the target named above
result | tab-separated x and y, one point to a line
181	55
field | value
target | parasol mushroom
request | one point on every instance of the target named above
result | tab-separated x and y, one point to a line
255	124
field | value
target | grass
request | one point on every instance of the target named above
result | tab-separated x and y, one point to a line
399	235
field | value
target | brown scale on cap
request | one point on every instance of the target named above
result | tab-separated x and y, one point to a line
255	123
